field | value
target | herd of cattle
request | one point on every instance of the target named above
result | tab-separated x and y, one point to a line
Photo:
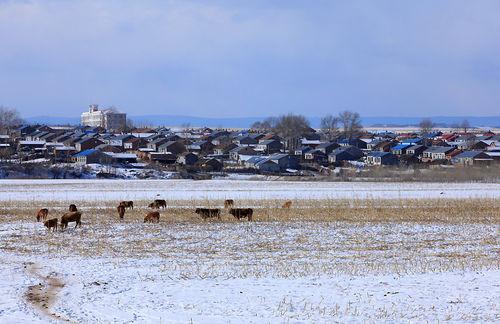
74	215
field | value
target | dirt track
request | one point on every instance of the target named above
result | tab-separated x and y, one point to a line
44	295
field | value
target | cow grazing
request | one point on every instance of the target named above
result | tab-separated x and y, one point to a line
228	203
161	203
152	217
72	208
75	216
208	212
287	205
51	224
240	213
154	205
127	204
42	214
121	211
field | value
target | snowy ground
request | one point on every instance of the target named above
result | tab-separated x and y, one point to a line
92	190
253	272
187	270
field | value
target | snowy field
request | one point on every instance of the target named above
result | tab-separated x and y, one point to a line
253	272
95	190
371	268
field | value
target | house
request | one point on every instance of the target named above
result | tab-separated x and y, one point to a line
412	141
63	153
223	149
285	161
123	158
135	143
163	158
472	158
400	149
246	141
155	143
416	150
87	143
348	153
201	147
187	158
268	166
109	148
327	147
242	153
269	146
30	145
119	140
437	153
174	147
316	156
381	158
301	151
90	156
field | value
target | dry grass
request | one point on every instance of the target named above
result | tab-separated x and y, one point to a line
312	238
469	210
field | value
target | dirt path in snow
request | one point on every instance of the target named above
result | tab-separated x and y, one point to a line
43	295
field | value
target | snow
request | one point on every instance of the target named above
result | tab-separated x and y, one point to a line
187	278
90	190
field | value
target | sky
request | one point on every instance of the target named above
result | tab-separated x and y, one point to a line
230	58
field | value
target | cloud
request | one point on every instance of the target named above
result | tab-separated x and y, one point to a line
244	58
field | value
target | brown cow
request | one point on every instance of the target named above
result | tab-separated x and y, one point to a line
152	217
42	214
208	212
240	213
127	204
161	203
75	216
287	205
72	208
228	203
121	211
51	223
154	205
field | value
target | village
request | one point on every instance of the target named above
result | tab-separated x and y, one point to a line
104	139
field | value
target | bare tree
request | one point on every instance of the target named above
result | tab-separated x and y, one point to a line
265	125
465	125
351	123
329	126
426	125
291	125
9	117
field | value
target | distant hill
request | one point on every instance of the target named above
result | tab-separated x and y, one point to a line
244	122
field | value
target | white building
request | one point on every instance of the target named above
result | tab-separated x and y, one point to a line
109	119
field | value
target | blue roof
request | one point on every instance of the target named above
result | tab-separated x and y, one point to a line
85	153
411	140
378	154
468	154
401	146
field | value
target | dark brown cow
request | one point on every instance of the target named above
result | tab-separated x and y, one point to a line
127	204
208	212
121	211
51	223
240	213
161	203
75	216
72	208
42	214
228	203
152	217
287	205
154	205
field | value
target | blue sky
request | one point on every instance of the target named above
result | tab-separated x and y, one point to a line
251	58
